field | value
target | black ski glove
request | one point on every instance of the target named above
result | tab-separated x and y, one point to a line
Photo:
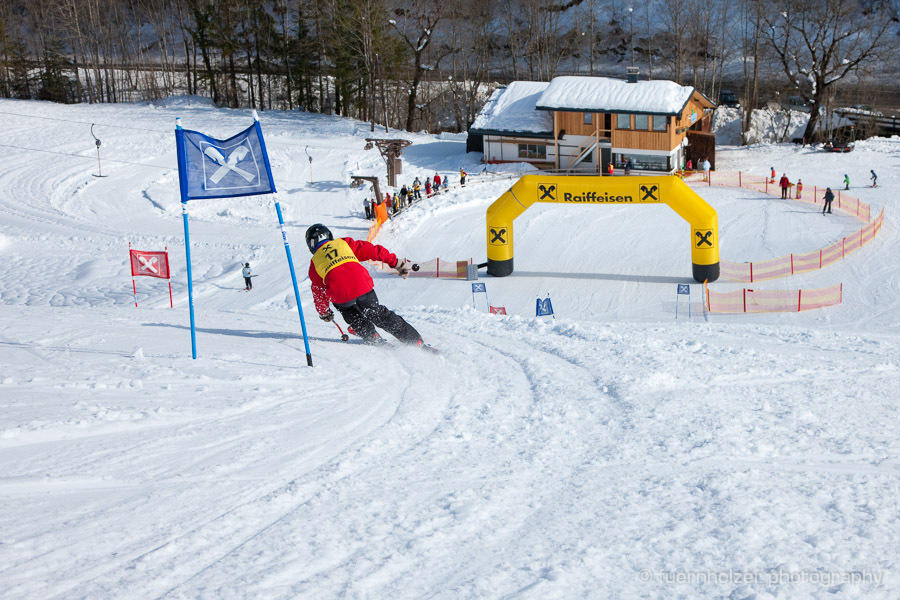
329	316
402	268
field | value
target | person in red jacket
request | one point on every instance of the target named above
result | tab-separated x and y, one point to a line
785	184
336	276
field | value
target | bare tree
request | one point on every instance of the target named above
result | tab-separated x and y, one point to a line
416	27
820	42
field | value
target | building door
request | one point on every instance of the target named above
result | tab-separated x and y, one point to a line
604	159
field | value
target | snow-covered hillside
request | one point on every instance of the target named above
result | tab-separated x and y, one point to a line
611	452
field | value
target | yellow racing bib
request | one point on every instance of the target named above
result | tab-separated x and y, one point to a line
332	254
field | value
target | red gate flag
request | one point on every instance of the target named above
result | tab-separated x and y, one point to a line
150	264
498	310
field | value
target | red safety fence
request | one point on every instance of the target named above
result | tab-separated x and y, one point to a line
761	301
792	264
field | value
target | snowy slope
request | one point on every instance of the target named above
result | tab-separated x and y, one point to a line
612	452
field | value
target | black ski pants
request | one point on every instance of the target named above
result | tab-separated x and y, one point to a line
248	283
365	313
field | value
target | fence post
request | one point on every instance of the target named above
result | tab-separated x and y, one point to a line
820	259
745	299
751	273
839	198
799	295
792	263
740	184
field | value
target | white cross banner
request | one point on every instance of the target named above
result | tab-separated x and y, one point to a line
149	264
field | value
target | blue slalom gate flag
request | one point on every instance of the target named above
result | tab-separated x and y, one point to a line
479	287
683	289
212	168
237	166
543	307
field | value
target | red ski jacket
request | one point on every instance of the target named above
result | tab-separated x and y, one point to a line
783	182
335	272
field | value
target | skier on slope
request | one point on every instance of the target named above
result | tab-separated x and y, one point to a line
874	177
248	282
336	276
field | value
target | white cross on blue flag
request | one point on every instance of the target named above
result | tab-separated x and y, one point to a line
211	168
479	287
684	289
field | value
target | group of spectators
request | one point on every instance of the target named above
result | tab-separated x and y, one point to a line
410	194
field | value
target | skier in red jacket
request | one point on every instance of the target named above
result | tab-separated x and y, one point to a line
336	276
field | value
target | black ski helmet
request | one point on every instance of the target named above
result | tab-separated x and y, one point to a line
247	265
317	234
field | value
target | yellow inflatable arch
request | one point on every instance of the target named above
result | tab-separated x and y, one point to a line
580	189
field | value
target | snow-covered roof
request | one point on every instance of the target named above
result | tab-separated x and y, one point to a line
511	110
603	94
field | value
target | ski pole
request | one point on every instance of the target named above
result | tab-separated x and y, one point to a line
344	336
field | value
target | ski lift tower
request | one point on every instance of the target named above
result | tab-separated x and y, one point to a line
356	180
390	152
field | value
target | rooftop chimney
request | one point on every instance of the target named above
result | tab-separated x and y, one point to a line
632	73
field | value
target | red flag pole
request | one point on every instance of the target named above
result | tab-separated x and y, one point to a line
169	279
133	286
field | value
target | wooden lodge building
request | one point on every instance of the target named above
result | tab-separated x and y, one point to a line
580	124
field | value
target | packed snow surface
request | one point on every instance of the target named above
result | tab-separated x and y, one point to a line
604	94
609	452
511	109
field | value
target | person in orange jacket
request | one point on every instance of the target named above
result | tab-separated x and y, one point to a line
336	276
799	189
784	183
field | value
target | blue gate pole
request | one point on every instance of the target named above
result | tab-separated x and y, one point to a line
182	179
187	252
287	251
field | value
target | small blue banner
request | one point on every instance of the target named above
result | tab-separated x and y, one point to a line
543	307
211	168
479	287
684	289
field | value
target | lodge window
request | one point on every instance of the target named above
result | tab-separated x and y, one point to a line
660	122
623	121
532	151
642	122
644	162
588	119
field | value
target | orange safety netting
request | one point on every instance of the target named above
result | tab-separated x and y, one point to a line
759	301
793	264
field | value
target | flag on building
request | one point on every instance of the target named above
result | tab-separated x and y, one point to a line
149	264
